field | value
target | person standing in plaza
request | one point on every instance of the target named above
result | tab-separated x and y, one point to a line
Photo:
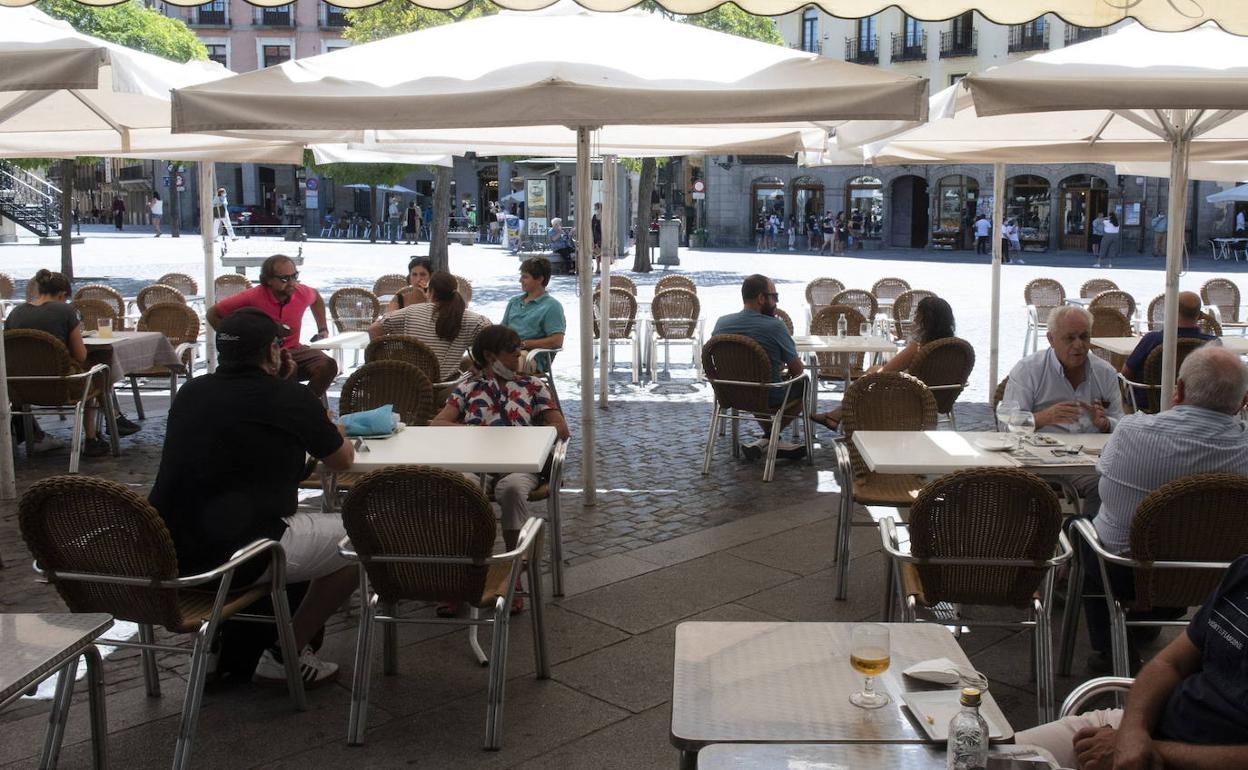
983	231
156	209
119	212
595	226
411	225
392	218
1098	234
1110	242
221	214
1158	224
828	225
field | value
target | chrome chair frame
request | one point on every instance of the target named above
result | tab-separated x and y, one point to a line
29	411
775	419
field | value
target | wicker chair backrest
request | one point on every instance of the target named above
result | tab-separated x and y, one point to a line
890	288
1045	294
157	293
6	286
946	361
675	282
106	294
1094	286
675	314
34	353
819	292
177	322
354	309
623	309
32	289
860	299
1157	312
998	395
420	511
229	284
621	282
403	347
1209	325
885	401
1117	299
824	323
391	283
1223	293
464	287
399	383
92	310
180	281
1194	518
91	525
738	358
786	319
1152	370
984	513
904	307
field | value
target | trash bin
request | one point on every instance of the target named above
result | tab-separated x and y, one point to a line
669	241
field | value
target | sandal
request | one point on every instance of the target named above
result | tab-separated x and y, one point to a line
517	601
826	421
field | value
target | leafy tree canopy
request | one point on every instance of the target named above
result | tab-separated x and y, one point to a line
396	17
131	25
360	173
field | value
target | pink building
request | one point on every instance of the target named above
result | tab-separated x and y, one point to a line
244	37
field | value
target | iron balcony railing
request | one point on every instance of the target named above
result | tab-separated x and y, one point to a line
280	16
1025	37
959	43
909	47
29	201
863	50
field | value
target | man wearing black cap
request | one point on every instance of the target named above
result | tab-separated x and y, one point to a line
233	458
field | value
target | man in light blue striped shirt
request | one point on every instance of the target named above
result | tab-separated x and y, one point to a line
1199	434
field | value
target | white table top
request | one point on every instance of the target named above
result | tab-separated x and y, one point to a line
851	343
943	451
1125	346
340	341
837	756
517	449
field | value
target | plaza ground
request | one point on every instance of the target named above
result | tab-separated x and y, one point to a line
663	545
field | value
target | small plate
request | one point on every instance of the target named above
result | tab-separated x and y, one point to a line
995	443
933	710
381	436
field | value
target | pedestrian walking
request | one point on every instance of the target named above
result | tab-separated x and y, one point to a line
1158	224
221	215
119	212
411	228
1110	242
155	210
392	217
1098	233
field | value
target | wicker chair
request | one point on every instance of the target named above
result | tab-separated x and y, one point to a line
904	307
859	299
1108	322
43	379
92	310
105	549
820	292
1183	537
944	366
105	294
464	287
1211	321
229	284
622	326
675	282
6	286
998	395
1223	294
880	401
1157	313
390	382
157	293
675	319
889	288
354	309
403	347
832	366
620	282
1208	324
180	325
739	372
1094	286
426	534
1149	383
987	537
1042	295
786	319
180	281
32	289
391	283
1118	300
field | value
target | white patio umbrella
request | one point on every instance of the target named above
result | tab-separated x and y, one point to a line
582	71
1100	101
1205	170
1234	194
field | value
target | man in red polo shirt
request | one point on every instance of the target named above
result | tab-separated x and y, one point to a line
285	300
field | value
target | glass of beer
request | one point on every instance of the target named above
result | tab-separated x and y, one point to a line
105	329
868	655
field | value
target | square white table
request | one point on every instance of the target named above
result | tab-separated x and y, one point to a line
467	449
790	683
1125	346
935	452
340	342
840	756
128	351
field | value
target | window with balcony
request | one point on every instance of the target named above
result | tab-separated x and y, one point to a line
961	38
274	54
863	47
219	53
1032	36
333	15
1080	34
911	43
279	16
210	14
810	31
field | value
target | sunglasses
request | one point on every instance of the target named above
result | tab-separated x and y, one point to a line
288	277
775	295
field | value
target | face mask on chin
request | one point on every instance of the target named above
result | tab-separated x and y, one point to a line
501	370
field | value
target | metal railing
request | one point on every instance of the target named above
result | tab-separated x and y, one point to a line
1080	34
959	43
909	47
1025	37
29	201
863	50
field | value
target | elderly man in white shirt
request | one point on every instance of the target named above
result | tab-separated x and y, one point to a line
1069	390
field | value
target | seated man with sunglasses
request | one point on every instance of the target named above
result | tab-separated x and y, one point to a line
285	300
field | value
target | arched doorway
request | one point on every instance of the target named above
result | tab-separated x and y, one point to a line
767	194
807	202
908	222
487	192
1083	197
1027	203
864	207
956	203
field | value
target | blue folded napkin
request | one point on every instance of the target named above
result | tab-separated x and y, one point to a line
374	422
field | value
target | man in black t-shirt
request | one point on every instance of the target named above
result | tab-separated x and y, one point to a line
233	458
1186	708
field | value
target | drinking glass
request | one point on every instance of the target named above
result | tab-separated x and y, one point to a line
1022	423
868	655
104	330
864	329
1006	410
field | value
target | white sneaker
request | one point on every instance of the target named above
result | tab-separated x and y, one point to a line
1096	264
788	446
313	670
46	443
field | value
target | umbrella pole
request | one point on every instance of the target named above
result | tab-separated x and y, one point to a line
584	279
1180	146
207	184
998	214
604	308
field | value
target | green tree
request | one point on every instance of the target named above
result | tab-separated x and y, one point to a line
134	26
398	17
734	21
371	174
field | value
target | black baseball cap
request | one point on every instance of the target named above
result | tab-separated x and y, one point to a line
246	332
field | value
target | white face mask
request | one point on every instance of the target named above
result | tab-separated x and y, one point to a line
502	371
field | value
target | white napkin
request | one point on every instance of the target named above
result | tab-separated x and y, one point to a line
945	671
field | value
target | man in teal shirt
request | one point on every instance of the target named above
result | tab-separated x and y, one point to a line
535	315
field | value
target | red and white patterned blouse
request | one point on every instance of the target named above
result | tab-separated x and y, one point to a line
486	401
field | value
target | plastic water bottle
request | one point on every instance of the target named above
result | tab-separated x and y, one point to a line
968	735
841	326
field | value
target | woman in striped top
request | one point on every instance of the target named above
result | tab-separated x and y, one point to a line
444	323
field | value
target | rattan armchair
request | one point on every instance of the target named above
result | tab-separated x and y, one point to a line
880	401
156	294
1108	322
859	299
889	288
786	319
393	382
622	327
391	283
1118	300
739	372
354	309
1095	286
6	286
105	294
229	284
43	379
1156	315
675	319
675	281
1184	535
904	308
819	294
180	281
105	549
832	366
620	282
1223	294
427	534
93	310
1042	296
404	347
180	325
987	537
534	359
464	287
944	366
